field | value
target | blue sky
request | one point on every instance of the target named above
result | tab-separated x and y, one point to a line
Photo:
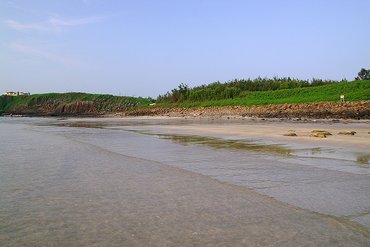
145	48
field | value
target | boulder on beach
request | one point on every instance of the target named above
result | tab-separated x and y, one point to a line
320	133
347	133
290	134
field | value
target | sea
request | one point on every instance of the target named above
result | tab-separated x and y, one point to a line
99	182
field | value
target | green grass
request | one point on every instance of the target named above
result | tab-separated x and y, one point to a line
353	91
103	102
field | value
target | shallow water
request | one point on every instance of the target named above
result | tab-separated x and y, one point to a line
68	185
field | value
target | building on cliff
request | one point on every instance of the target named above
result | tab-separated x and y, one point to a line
11	93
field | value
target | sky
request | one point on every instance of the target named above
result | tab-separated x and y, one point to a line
147	47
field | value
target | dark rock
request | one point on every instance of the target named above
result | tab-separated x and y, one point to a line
347	133
290	134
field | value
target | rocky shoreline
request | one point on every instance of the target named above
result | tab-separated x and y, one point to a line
323	110
339	110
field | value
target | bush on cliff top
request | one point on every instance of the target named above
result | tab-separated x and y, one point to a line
236	88
353	91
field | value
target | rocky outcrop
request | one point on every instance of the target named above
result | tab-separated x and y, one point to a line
333	110
320	133
340	110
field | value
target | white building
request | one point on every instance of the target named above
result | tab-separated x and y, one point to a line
11	93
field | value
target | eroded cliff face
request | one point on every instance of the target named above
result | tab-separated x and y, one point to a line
341	110
354	110
82	107
48	109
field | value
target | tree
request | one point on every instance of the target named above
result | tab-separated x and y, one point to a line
364	74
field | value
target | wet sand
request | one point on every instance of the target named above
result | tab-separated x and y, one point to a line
275	131
266	130
86	192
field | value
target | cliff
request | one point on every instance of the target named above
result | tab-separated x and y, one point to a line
67	104
80	104
340	110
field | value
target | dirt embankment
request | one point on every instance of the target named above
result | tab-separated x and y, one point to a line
77	108
342	110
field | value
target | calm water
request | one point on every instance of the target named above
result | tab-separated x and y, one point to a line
127	185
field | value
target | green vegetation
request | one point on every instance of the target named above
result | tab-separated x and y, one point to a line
102	102
353	91
236	89
364	74
233	93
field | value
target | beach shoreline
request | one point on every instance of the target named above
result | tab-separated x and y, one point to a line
271	130
356	110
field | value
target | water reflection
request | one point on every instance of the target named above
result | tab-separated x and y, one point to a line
363	159
217	143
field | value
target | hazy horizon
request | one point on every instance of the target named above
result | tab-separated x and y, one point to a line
146	48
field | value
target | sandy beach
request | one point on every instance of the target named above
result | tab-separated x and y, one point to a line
276	132
271	130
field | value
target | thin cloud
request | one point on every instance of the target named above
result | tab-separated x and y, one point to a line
88	2
21	26
53	23
42	54
74	22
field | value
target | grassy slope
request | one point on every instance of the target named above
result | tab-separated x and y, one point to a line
104	102
353	91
